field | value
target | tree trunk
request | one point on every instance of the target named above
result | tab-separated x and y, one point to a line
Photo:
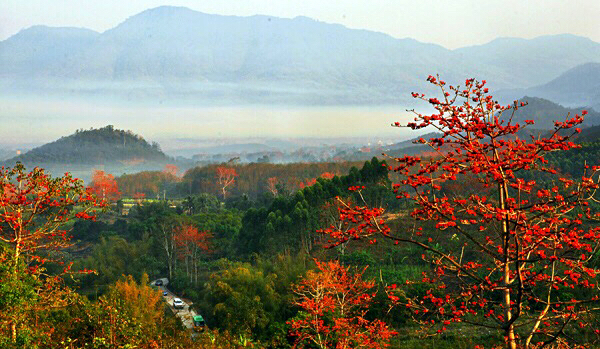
13	331
509	330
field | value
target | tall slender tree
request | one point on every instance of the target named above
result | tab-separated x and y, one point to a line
225	178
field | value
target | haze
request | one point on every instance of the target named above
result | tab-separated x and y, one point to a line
216	70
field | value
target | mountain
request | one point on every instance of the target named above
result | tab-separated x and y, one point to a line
577	86
545	112
103	146
42	51
529	62
179	53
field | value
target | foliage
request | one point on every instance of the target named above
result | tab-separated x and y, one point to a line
334	305
114	256
290	222
104	186
130	315
253	299
515	260
201	203
191	244
252	179
225	178
149	183
33	210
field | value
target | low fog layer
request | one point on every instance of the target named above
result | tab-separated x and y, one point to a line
28	120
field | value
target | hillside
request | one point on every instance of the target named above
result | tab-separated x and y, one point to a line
529	62
103	146
545	112
179	53
577	86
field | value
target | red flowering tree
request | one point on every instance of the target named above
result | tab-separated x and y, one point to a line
225	178
105	186
171	170
515	258
327	175
272	185
191	244
334	302
309	183
33	211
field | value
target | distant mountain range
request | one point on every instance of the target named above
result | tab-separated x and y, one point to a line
178	53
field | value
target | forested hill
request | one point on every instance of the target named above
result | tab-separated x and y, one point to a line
105	145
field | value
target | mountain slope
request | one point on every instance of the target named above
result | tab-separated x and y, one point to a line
530	62
42	51
545	112
577	86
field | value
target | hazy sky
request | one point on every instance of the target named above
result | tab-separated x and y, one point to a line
451	24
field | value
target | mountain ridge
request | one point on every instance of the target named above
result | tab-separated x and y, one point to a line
181	53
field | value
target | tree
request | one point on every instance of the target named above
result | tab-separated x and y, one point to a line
129	315
516	260
272	185
327	175
190	242
33	211
225	178
334	305
241	299
105	186
171	170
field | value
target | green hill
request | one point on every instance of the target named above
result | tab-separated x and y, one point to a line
103	146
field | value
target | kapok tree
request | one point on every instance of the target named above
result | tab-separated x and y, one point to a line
517	259
225	178
33	211
334	303
272	185
327	175
105	186
191	244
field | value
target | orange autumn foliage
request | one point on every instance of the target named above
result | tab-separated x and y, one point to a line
334	303
105	186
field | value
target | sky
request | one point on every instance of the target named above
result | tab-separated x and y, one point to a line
452	24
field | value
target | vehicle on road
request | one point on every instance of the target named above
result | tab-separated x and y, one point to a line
158	283
165	293
199	323
177	303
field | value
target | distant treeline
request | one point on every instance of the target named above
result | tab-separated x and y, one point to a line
253	179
